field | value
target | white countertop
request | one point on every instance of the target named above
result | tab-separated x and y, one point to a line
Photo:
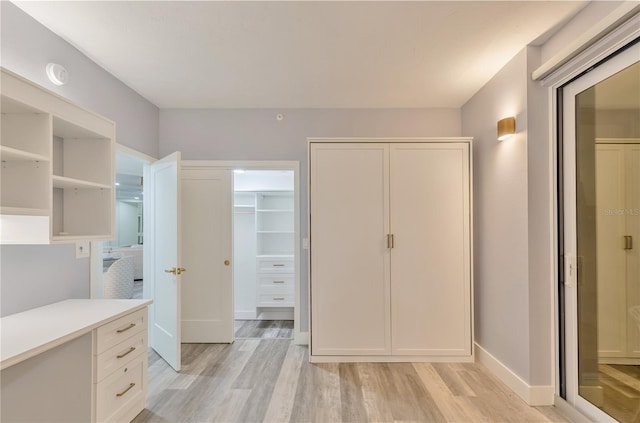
27	334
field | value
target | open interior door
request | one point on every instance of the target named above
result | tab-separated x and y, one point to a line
162	256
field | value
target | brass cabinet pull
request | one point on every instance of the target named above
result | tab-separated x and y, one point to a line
131	385
628	242
176	270
278	265
132	349
278	298
126	329
390	241
278	281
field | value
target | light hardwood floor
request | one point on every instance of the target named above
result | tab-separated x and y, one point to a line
271	380
621	392
263	329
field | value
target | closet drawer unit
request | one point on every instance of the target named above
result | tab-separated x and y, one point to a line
113	333
275	299
121	396
275	265
276	281
120	355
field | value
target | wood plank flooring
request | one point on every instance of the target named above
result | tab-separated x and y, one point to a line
271	380
621	392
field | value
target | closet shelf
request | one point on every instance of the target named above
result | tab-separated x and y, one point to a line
13	154
24	211
64	182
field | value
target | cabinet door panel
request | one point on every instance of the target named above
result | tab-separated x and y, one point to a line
349	256
430	273
610	229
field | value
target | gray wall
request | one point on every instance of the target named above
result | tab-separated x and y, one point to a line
27	47
514	243
500	192
36	275
228	134
512	222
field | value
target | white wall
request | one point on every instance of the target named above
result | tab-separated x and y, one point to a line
252	134
37	275
126	223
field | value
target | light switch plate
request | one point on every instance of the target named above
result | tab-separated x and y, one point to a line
83	250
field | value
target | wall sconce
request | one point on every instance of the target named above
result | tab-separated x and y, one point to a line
506	128
57	74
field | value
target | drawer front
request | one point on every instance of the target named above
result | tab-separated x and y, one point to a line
275	265
123	390
120	355
113	333
284	282
275	300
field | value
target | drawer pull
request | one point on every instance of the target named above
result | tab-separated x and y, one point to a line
132	349
126	329
278	265
131	385
278	281
278	298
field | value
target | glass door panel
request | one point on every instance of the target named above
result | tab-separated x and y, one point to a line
601	141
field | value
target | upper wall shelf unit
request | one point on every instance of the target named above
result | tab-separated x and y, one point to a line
57	172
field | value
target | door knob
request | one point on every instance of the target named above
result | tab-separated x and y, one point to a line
227	262
176	270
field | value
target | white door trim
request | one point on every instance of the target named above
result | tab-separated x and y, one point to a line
293	165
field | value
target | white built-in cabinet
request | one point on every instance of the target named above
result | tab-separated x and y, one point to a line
77	360
275	272
264	225
57	167
618	257
390	228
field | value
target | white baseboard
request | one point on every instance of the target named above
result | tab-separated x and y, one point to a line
301	338
532	395
276	315
244	315
627	361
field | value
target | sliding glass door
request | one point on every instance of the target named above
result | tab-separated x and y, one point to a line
601	239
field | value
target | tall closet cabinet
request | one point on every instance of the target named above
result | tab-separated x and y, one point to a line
390	228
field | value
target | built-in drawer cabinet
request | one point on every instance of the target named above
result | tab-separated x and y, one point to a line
119	355
121	395
275	265
275	281
121	368
275	299
113	333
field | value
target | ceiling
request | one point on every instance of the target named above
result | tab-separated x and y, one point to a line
304	54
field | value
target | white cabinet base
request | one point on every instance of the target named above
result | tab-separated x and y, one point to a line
389	359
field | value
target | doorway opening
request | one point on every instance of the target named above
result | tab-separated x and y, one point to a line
264	271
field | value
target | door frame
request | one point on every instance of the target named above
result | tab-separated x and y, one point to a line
607	46
293	165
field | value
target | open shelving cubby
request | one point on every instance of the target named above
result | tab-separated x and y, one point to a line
57	171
